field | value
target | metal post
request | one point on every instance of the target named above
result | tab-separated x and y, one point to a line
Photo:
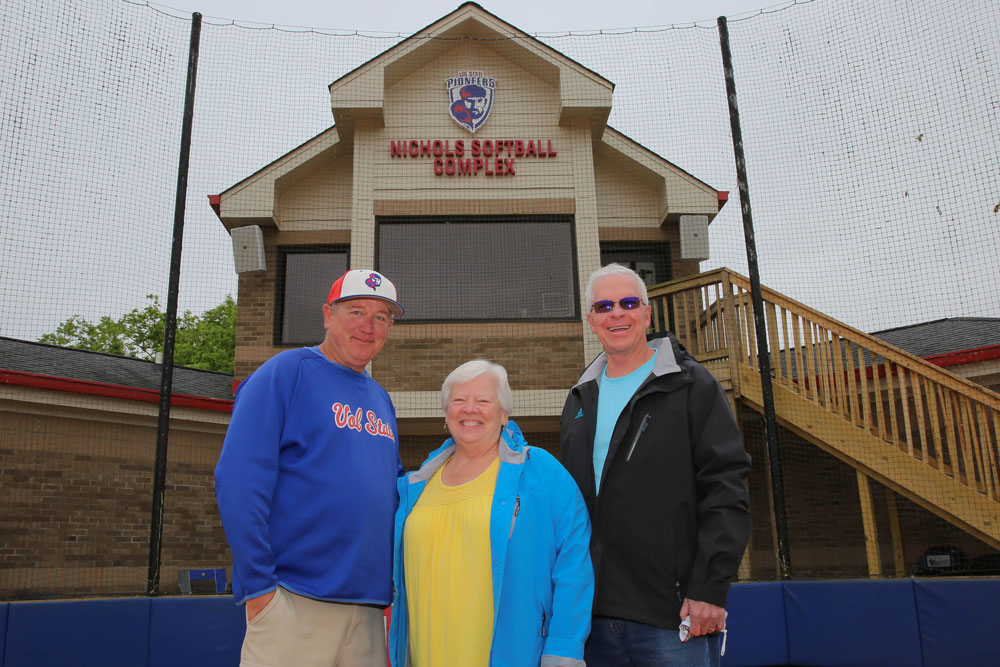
167	376
763	355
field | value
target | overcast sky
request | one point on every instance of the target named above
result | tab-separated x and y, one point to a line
872	153
532	16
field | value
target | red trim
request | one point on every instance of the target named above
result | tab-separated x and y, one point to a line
106	390
723	198
961	357
943	360
215	201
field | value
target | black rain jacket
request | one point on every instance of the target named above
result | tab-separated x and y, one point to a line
672	519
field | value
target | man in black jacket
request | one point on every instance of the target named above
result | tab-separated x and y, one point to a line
652	442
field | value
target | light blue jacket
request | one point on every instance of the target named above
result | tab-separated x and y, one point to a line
543	582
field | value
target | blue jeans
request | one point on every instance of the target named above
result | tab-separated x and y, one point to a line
617	643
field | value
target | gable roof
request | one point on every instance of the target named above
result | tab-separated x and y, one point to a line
51	361
943	336
361	92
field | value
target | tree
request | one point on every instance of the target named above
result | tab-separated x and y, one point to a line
206	341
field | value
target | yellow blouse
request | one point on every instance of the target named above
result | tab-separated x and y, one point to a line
449	580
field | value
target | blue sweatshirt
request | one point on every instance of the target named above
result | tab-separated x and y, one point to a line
306	483
543	582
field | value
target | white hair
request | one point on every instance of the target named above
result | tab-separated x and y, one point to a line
615	270
469	371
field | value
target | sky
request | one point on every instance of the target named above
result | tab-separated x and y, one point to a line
873	169
531	16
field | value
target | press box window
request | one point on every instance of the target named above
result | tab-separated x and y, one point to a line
650	260
305	274
486	268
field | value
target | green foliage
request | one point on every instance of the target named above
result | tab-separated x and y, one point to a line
206	341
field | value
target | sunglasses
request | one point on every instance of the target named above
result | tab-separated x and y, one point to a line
628	303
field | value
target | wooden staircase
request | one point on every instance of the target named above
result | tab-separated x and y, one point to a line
921	431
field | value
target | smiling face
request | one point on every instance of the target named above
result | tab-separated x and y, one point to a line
355	331
621	332
473	413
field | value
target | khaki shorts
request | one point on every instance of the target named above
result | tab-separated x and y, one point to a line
296	631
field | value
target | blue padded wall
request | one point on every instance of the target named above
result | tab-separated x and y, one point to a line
819	623
110	633
3	630
958	620
756	626
852	623
195	631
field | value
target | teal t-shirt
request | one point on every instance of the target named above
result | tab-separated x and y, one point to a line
612	398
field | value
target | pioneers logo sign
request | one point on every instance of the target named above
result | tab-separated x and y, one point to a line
470	96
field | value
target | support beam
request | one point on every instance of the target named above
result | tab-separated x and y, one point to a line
871	530
899	560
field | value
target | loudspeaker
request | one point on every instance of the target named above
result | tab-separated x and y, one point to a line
694	237
248	249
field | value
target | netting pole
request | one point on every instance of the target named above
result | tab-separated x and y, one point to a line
763	355
170	334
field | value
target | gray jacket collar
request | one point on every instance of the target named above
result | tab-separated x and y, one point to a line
665	364
513	449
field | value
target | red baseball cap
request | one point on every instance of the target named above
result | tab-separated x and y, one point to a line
365	284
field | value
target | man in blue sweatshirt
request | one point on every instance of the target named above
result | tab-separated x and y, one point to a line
306	486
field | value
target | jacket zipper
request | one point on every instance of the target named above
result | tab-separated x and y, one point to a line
545	631
517	508
635	440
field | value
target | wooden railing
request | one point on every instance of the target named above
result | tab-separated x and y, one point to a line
935	417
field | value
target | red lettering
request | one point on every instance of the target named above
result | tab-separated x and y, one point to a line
508	166
447	149
438	148
477	164
509	143
340	415
425	148
459	148
488	147
343	417
449	166
438	166
396	149
414	148
475	148
551	152
531	149
376	426
464	167
519	147
489	167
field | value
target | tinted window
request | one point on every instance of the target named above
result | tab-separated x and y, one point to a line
306	275
481	268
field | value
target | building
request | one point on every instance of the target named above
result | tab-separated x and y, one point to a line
474	166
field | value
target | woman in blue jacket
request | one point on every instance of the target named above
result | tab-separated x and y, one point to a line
492	543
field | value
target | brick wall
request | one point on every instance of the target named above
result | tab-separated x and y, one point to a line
77	499
539	356
826	533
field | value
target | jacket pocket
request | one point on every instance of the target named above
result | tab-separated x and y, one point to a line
643	425
513	519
